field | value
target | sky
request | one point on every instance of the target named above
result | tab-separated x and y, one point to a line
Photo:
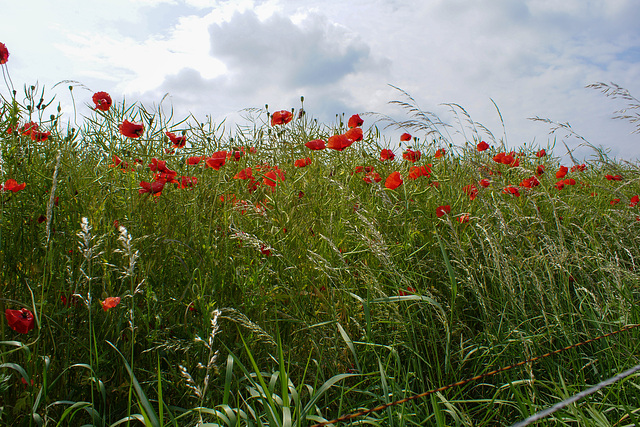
532	58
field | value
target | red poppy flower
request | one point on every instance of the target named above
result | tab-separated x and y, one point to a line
482	146
281	117
102	100
559	185
570	181
372	176
354	134
484	183
154	188
39	136
316	144
265	250
562	172
386	154
441	210
498	157
393	181
541	153
416	172
300	163
614	202
613	177
188	181
235	154
355	121
21	321
118	163
245	173
177	141
12	185
464	218
4	54
217	160
511	190
161	167
540	170
405	137
131	130
578	168
634	201
27	128
530	182
339	142
412	156
194	160
271	177
471	191
410	290
110	302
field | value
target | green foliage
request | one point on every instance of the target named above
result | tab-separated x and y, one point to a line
325	294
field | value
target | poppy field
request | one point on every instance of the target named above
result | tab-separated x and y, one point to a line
160	271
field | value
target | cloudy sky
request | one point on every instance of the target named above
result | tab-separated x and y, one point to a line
217	57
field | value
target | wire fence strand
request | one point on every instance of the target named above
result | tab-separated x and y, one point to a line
468	380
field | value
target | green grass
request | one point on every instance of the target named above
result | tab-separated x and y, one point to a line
291	306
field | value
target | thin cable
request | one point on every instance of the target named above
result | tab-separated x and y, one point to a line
540	415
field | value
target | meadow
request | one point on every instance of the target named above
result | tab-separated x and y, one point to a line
160	271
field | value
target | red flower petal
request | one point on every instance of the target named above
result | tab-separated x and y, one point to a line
355	121
281	117
102	100
393	181
316	144
21	321
131	130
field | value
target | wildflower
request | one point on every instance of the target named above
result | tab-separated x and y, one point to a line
484	183
614	202
188	181
217	160
482	146
39	136
118	163
177	141
442	210
410	290
372	176
559	185
281	117
245	173
110	302
569	181
393	181
440	153
634	200
416	172
386	154
265	250
12	185
354	134
498	157
102	100
21	321
411	155
562	172
511	190
540	170
27	128
355	121
541	153
405	137
271	177
578	168
613	177
154	188
316	144
464	218
530	182
131	130
471	191
300	163
4	54
194	160
339	142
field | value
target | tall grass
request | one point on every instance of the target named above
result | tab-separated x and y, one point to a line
321	296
